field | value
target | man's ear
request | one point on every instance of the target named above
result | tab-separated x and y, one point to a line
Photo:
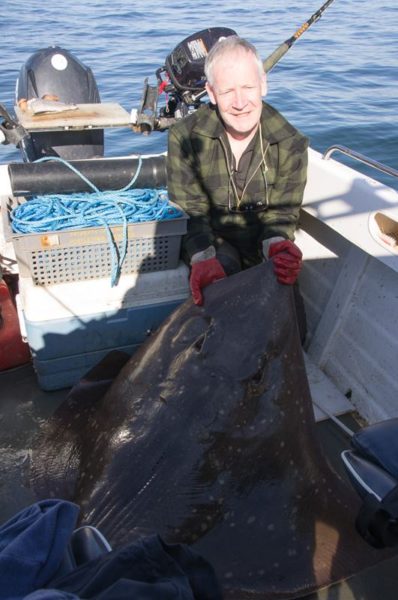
264	85
210	93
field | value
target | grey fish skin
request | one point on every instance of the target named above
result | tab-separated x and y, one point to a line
38	106
207	437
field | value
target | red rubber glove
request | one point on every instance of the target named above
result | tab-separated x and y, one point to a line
203	273
287	259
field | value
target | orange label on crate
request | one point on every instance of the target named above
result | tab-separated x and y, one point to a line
47	241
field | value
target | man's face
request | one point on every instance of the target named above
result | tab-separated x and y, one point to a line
237	90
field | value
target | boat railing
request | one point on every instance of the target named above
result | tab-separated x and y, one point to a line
361	158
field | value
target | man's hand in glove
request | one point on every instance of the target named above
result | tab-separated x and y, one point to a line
287	259
204	273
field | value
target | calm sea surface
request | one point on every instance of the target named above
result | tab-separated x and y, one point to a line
338	83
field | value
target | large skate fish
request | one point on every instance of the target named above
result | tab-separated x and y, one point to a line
207	437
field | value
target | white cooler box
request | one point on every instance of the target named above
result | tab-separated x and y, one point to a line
71	326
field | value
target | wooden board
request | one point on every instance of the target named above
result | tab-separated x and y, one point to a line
86	116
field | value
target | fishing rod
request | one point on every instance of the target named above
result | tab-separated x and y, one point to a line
277	54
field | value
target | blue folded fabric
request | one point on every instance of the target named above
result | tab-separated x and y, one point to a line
34	542
32	545
147	569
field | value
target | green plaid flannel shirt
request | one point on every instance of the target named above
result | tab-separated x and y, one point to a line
199	181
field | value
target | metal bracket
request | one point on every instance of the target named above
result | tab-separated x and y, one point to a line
11	132
146	117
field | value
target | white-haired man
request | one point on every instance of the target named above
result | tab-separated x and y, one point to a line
238	168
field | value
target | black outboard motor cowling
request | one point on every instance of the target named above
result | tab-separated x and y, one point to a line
56	72
185	65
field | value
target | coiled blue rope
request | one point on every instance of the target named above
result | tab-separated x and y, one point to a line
89	209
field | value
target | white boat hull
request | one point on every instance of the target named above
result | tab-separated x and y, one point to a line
350	286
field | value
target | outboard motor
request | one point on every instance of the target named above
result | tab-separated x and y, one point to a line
183	80
56	72
184	69
185	64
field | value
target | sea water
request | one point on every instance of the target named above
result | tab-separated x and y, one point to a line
338	83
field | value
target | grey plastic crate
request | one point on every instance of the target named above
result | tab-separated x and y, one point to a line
77	254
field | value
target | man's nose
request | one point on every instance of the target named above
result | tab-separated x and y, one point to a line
240	99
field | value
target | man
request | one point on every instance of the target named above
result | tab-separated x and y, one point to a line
238	169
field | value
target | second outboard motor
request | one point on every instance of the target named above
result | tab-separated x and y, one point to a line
56	72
